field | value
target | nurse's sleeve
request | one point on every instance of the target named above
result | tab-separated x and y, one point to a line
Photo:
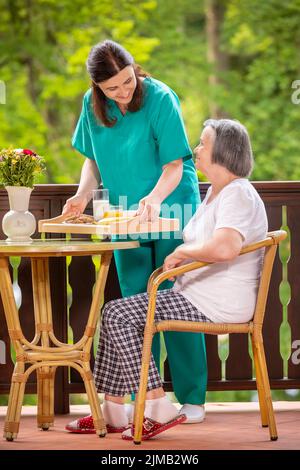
169	131
81	139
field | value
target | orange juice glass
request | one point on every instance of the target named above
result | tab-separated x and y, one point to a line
114	211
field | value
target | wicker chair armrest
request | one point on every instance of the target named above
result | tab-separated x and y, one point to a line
158	276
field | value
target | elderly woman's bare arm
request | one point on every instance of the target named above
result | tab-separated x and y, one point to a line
224	246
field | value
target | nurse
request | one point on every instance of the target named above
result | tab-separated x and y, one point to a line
132	133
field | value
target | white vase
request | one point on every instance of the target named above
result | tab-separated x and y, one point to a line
18	224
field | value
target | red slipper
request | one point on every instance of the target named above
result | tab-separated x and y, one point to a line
151	428
86	426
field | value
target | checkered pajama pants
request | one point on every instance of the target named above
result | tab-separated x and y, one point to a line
119	356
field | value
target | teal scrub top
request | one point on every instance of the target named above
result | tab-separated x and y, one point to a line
130	155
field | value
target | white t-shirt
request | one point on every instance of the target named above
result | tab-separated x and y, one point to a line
226	292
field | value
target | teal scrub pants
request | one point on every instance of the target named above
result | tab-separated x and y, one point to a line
186	351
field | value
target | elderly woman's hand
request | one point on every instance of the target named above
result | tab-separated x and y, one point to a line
173	260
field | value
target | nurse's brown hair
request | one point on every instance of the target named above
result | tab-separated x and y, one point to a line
105	60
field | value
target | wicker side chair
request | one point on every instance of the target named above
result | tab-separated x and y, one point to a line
254	328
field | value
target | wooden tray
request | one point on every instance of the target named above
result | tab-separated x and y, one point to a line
130	225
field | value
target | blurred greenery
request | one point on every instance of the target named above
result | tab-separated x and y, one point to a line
44	46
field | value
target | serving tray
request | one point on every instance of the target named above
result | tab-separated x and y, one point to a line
128	224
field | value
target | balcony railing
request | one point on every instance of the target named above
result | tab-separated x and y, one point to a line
229	361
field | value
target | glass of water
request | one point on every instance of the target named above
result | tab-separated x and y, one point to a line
100	203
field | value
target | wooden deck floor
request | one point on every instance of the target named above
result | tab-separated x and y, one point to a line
227	426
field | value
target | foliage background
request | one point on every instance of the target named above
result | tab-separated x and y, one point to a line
44	45
234	58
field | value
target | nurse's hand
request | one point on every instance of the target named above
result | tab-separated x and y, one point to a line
149	208
75	205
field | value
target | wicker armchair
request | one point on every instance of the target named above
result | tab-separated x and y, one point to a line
254	328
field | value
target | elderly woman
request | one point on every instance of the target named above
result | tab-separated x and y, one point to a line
232	215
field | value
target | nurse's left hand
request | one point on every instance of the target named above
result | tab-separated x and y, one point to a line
149	208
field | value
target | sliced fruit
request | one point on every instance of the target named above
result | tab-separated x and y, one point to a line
112	214
109	220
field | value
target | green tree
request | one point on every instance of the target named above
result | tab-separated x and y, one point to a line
43	48
262	40
233	58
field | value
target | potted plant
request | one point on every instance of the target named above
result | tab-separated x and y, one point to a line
18	171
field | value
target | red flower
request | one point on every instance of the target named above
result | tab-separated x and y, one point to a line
28	152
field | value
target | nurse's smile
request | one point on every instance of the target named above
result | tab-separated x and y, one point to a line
121	86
